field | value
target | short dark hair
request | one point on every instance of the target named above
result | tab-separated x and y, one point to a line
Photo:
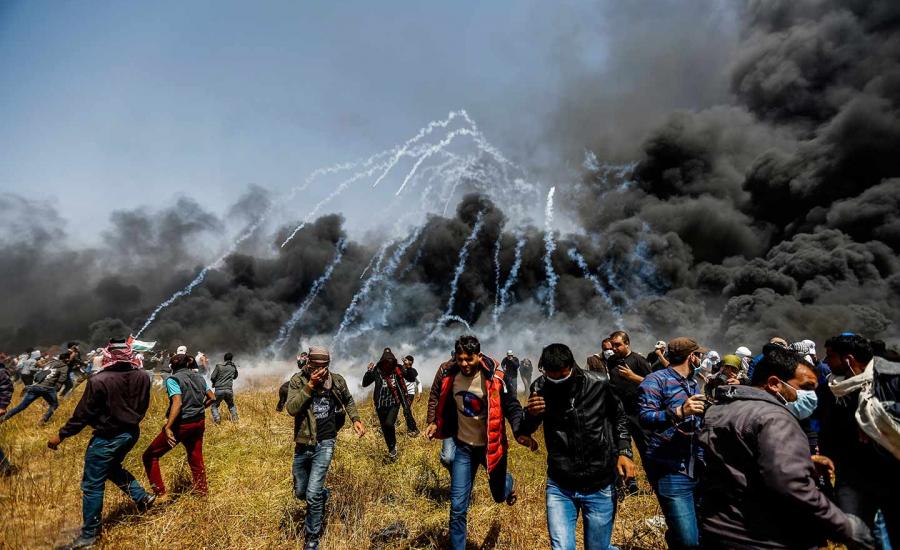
71	344
777	361
851	344
229	356
467	344
555	358
410	358
621	334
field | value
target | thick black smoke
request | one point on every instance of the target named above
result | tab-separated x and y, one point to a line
775	212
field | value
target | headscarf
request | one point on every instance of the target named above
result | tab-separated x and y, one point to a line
119	351
388	363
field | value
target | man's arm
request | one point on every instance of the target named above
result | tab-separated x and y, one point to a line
434	394
512	410
235	371
6	390
89	406
410	374
369	377
299	394
623	432
214	374
349	403
652	415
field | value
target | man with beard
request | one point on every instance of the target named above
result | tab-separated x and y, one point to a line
626	372
580	413
855	430
471	408
390	396
319	401
671	408
759	487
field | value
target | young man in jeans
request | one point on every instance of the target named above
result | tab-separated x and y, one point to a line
319	400
223	377
114	403
189	395
472	405
671	408
46	389
579	411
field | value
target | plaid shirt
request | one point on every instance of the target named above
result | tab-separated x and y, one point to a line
672	445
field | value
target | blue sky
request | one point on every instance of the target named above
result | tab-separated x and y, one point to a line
106	104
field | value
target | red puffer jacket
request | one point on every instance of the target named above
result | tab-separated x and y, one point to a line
500	404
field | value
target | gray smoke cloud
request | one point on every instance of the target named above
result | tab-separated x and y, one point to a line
768	207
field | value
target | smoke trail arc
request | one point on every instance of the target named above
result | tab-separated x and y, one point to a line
278	344
595	281
550	247
457	273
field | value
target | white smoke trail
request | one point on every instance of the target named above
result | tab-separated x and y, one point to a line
460	267
391	267
497	270
511	280
278	344
598	286
550	246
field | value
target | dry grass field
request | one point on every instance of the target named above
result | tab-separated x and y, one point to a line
250	505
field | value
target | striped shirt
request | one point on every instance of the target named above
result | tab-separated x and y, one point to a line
672	445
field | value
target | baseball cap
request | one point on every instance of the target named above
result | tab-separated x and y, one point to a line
319	356
181	349
683	346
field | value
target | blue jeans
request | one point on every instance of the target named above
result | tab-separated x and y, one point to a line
310	468
598	511
462	475
448	451
32	394
102	461
676	495
228	398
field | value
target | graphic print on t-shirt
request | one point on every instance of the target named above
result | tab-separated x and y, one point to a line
472	405
322	407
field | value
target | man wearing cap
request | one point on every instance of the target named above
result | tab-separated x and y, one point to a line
113	403
510	366
657	357
319	401
671	408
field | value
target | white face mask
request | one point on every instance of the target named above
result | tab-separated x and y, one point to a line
558	380
607	353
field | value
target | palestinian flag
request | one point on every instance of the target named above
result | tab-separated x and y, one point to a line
139	345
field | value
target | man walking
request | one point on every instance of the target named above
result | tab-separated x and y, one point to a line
223	377
189	395
626	372
413	388
759	489
526	370
670	407
319	401
390	396
598	362
510	366
580	413
471	408
114	402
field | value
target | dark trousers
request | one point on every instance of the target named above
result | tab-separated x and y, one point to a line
228	397
103	460
410	419
863	498
32	394
191	436
387	417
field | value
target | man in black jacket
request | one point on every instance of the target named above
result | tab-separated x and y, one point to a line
759	488
114	403
588	444
223	377
390	396
46	389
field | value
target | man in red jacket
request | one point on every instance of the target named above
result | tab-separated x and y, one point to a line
472	403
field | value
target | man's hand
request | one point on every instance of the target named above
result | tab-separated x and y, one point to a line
625	468
54	442
170	437
430	430
733	381
535	405
371	366
694	405
628	374
527	441
359	428
2	411
318	376
824	466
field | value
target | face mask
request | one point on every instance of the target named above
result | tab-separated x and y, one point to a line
804	405
558	380
607	353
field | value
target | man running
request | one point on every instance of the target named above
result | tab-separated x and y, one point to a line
390	396
223	377
319	401
46	389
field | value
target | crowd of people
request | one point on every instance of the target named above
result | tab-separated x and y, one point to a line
781	449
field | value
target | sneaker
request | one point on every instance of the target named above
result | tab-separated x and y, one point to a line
312	543
414	433
146	503
392	455
82	543
159	500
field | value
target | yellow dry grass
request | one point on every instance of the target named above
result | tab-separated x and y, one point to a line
251	504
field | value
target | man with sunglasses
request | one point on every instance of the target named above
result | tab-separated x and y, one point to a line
671	407
588	444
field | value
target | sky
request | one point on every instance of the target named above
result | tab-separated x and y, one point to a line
109	105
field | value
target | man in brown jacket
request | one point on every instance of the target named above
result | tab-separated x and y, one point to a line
759	489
